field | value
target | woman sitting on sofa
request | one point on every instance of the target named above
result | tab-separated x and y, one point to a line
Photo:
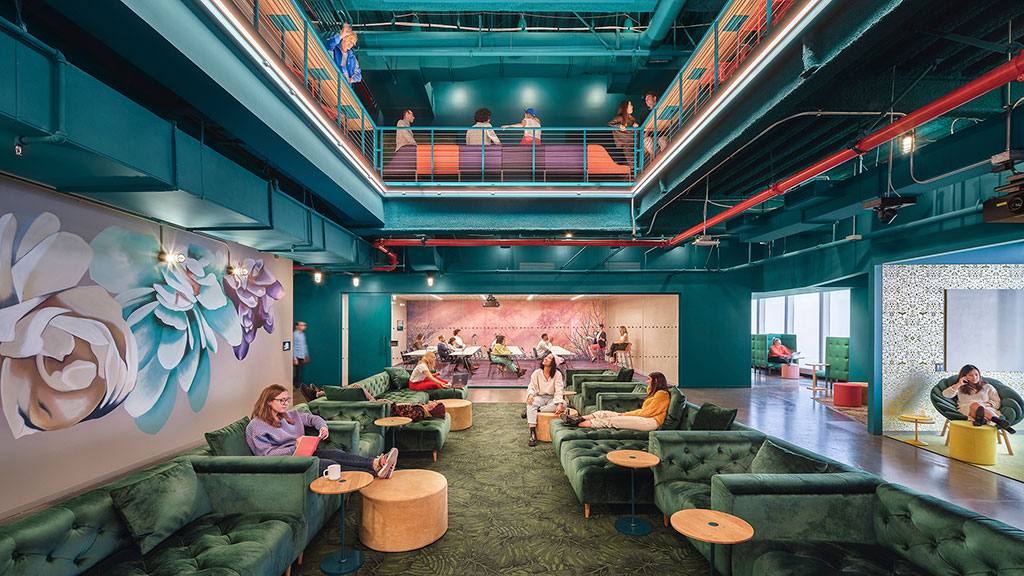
649	417
423	376
274	431
977	399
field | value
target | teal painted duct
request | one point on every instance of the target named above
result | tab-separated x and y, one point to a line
463	44
661	23
116	152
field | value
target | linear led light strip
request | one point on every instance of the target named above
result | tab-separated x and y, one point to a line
794	28
241	35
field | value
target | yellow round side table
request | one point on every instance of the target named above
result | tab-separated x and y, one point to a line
970	443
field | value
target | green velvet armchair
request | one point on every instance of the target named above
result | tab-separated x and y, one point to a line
760	343
1011	405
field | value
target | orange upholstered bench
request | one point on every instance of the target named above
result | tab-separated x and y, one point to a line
599	162
446	159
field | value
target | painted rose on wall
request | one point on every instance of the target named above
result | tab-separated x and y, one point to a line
66	353
253	296
175	311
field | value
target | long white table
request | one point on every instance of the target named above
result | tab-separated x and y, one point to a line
469	351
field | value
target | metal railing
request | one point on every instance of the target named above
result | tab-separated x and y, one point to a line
604	156
730	40
289	35
598	156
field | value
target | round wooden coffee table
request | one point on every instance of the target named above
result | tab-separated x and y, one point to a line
916	419
406	512
461	411
713	527
392	422
633	459
342	561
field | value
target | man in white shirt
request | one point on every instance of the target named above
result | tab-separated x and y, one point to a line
404	137
543	348
460	345
482	137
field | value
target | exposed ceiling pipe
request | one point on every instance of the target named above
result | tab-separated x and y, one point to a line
1008	72
661	22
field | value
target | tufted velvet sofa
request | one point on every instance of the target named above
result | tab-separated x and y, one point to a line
370	437
260	519
427	435
862	526
575	377
691	461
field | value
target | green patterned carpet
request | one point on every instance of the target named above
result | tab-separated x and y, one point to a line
511	512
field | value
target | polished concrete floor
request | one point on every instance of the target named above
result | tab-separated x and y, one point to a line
784	408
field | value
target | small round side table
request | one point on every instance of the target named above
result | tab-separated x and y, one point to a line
342	561
633	459
713	527
392	422
814	376
916	419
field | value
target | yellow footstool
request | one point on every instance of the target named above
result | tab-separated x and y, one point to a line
544	426
970	443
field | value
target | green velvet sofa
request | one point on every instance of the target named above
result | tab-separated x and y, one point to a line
691	460
583	452
574	378
860	525
427	435
189	515
759	345
624	394
370	437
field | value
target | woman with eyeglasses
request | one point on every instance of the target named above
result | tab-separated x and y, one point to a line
274	431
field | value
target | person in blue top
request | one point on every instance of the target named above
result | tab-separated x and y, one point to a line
340	46
300	352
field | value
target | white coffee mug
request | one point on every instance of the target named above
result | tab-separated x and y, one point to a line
333	472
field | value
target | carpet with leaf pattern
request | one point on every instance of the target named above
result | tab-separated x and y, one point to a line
511	512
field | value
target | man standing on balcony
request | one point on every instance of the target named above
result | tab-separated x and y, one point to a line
651	99
404	137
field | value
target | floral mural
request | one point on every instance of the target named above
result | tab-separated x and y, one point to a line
176	312
253	296
66	353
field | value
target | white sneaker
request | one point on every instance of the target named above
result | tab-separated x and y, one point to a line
387	468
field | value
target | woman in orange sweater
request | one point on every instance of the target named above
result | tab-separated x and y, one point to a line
649	417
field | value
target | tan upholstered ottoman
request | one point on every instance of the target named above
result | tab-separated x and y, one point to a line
406	512
544	425
461	411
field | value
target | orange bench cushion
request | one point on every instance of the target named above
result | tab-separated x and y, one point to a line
446	159
599	162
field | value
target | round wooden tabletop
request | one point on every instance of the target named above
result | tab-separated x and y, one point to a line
392	421
349	482
407	484
818	364
919	418
455	403
712	526
633	458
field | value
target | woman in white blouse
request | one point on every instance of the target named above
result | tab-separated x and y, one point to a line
977	399
544	393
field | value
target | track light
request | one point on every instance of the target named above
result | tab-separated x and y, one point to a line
907	143
430	280
568	234
171	257
887	215
522	22
355	281
318	277
238	271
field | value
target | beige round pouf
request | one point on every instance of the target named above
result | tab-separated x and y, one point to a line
544	425
406	512
461	411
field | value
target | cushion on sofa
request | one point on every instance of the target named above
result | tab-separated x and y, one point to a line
712	417
625	374
229	440
610	373
676	414
815	558
774	459
399	377
161	504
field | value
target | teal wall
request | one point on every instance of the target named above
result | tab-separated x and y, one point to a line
714	315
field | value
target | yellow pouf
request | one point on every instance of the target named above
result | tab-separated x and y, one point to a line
461	411
970	443
544	426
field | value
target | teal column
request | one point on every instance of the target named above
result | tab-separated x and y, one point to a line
862	338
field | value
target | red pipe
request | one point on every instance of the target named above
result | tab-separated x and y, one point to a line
1012	70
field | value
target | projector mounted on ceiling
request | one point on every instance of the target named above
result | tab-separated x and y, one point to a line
705	240
491	302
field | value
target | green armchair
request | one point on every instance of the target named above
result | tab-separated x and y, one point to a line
1011	405
837	356
574	378
587	399
760	343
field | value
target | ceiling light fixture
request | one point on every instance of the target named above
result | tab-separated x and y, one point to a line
568	234
355	280
238	271
318	277
430	280
907	143
171	257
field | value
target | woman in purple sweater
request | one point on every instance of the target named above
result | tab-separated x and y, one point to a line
274	430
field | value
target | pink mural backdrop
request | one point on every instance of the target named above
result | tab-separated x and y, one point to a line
566	322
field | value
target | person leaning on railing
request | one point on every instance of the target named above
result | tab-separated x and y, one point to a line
651	146
482	137
530	120
623	137
404	137
340	47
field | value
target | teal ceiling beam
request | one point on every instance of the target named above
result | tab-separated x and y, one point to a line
387	44
510	215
